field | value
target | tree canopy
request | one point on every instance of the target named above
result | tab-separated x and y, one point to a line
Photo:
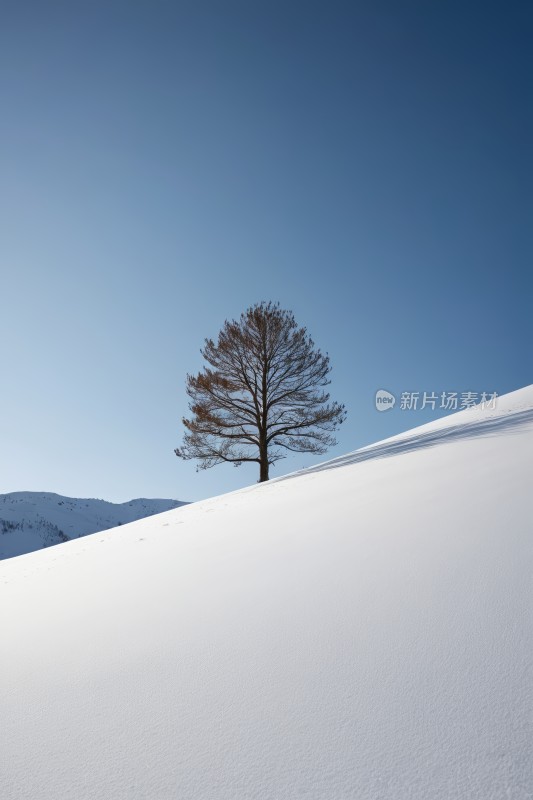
262	393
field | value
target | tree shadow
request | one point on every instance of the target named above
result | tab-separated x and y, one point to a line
509	423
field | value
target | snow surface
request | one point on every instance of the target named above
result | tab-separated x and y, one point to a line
32	520
361	632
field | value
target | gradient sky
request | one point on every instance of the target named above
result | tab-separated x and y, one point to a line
166	164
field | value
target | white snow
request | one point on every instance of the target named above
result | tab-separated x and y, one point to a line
362	632
32	520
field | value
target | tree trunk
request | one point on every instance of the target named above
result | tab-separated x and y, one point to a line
263	470
263	462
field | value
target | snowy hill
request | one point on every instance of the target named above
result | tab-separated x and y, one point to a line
360	631
33	520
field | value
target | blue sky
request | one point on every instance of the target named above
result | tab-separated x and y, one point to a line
165	165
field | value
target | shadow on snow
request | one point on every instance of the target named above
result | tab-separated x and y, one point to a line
470	430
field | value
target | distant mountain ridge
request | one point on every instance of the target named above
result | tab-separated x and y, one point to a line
33	520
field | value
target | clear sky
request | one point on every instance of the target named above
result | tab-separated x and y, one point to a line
166	164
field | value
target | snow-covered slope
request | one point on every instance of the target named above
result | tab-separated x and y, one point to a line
33	520
361	632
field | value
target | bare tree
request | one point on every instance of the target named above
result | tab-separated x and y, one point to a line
262	393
